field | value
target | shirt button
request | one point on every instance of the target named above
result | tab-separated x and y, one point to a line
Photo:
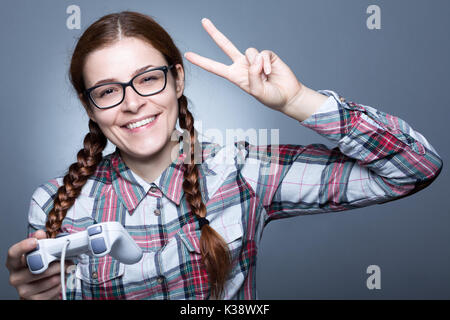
160	279
153	189
94	275
157	212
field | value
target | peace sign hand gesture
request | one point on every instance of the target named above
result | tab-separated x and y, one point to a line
261	74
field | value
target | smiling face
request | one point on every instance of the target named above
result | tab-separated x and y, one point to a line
120	62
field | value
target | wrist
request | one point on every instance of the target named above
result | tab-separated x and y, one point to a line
304	104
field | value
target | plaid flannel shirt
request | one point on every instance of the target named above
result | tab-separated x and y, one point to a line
378	158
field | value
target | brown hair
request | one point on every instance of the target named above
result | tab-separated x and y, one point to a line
106	31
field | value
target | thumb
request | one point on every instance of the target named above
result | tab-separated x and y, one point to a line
40	234
254	76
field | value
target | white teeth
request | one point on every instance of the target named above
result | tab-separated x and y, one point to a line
140	123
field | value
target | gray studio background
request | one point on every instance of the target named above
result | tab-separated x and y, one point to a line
402	69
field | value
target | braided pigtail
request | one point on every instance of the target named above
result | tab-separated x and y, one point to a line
87	160
214	249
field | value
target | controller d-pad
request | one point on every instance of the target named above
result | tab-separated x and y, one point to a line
35	262
98	245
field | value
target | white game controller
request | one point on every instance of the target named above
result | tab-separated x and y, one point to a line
97	240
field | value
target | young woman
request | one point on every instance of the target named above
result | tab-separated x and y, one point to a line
199	222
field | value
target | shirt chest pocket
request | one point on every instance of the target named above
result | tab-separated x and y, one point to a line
231	233
100	277
192	269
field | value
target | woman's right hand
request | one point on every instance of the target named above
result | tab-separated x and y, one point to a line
44	286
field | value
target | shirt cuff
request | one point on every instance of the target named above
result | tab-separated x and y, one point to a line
331	104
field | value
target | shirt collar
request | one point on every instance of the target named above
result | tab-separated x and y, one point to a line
131	188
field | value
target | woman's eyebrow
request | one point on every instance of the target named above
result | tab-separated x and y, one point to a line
114	80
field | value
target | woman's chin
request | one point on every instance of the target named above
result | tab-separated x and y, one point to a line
142	151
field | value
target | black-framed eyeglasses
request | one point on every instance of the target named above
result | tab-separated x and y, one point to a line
111	94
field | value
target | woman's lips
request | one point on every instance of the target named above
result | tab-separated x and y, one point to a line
147	126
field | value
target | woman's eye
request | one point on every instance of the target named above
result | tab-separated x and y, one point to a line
149	79
107	91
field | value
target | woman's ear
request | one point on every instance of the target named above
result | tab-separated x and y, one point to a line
179	81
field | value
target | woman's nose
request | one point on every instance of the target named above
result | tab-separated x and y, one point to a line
132	100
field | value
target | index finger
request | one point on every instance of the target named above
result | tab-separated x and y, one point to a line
219	38
209	65
16	251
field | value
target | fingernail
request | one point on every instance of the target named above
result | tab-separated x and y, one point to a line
269	69
258	59
251	59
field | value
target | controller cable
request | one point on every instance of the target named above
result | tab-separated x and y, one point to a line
63	273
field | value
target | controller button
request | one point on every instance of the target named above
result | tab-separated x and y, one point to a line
94	230
98	245
35	262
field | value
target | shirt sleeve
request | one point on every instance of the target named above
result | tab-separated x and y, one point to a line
378	158
40	205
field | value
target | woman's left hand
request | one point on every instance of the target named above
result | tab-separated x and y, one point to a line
261	74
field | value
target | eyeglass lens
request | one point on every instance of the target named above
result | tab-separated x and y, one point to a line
111	94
